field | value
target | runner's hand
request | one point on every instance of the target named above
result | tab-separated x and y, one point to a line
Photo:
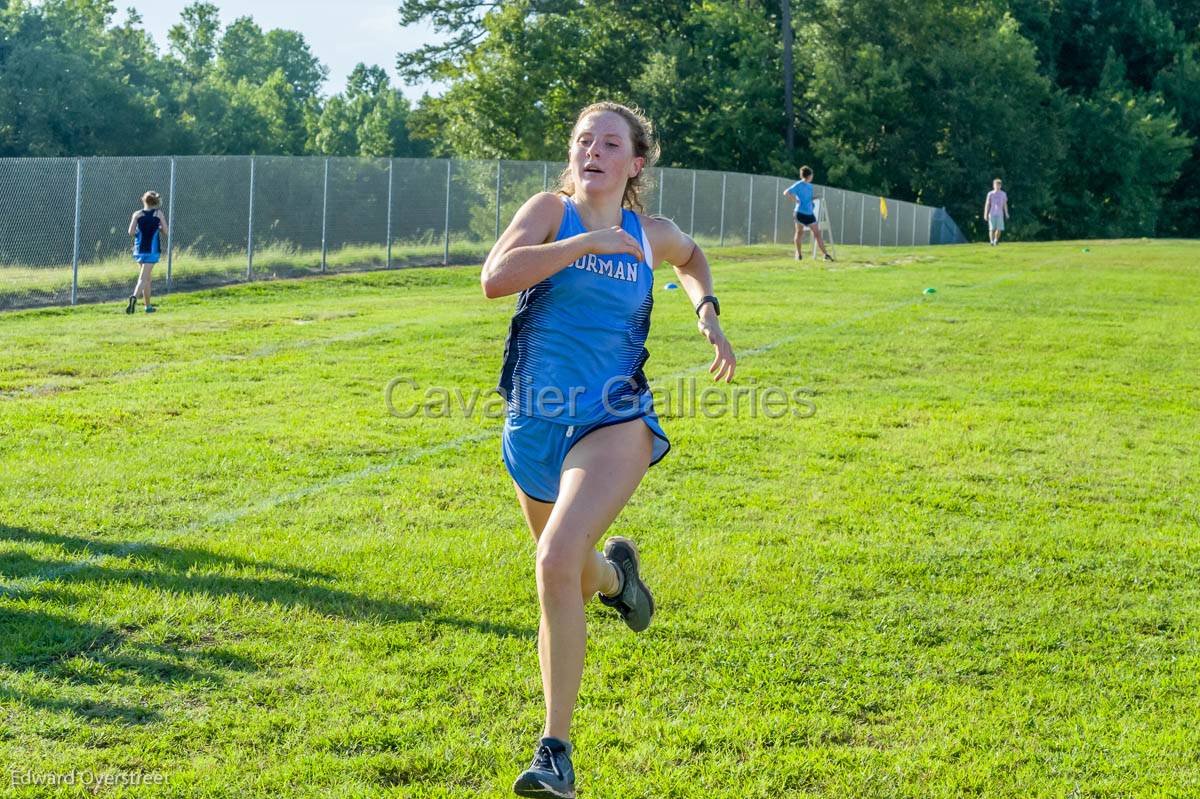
724	362
614	241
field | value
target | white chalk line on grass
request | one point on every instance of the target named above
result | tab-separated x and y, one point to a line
230	517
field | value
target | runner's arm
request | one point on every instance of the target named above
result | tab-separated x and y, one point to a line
673	246
526	253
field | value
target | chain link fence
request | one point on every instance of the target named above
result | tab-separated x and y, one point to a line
64	222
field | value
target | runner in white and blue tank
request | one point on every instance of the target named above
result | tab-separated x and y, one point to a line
574	356
581	431
802	192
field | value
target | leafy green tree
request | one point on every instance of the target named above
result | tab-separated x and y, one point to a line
521	71
194	38
1144	52
385	129
289	52
242	52
706	93
1122	160
1089	110
1073	37
246	52
926	100
245	91
64	83
1179	85
370	118
931	104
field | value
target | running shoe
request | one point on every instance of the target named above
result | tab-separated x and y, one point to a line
132	303
633	599
550	774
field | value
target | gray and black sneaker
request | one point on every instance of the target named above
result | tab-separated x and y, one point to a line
633	599
131	304
550	773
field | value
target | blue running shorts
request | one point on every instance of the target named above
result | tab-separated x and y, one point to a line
534	449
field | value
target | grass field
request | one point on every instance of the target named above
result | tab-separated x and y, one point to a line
975	571
114	277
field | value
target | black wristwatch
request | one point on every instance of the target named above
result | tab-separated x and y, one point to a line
709	298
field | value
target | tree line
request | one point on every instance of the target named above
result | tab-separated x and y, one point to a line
75	83
1088	109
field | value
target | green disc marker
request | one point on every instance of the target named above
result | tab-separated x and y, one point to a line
931	291
1085	249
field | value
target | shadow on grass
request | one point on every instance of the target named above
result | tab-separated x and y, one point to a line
75	654
92	711
47	639
174	558
191	570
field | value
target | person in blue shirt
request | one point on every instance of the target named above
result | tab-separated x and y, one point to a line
802	192
580	428
147	227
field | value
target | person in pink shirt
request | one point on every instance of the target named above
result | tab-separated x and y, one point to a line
995	211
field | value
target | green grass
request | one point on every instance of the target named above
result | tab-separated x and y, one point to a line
974	572
114	277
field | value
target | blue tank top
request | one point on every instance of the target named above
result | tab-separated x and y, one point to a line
803	192
576	345
145	241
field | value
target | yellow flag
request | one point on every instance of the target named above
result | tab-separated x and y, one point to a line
883	207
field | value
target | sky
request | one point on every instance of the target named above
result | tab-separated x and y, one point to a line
339	33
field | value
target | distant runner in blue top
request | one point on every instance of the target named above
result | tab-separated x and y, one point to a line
580	430
147	227
802	192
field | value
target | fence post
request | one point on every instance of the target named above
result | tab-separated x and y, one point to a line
724	177
842	221
545	176
692	220
391	165
498	163
170	222
824	210
775	235
914	233
662	181
881	221
250	227
750	214
75	246
446	235
862	219
324	215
